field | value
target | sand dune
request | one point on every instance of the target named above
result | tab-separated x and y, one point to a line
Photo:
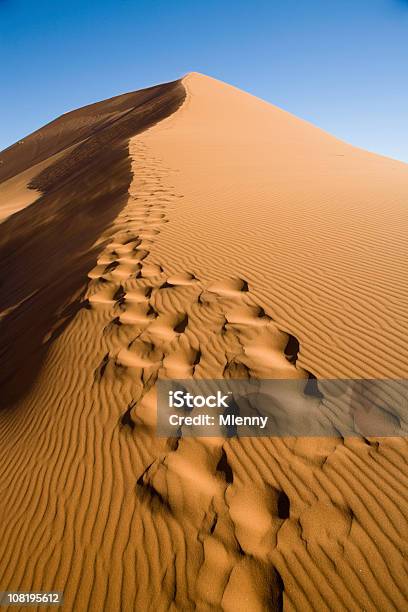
192	230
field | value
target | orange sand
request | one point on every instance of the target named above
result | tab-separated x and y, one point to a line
201	237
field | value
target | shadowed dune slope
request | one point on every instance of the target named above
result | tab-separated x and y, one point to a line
149	105
47	249
227	240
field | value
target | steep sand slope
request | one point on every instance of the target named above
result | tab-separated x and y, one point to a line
317	227
230	237
83	172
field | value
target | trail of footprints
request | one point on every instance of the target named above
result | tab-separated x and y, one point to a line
178	326
234	513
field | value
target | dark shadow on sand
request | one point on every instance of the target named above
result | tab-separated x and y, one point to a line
46	249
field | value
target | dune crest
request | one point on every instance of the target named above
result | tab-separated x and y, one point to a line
316	226
193	230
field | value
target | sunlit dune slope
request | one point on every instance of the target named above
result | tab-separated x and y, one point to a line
316	226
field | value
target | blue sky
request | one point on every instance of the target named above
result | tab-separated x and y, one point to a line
341	65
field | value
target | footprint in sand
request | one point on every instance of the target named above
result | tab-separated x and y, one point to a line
229	287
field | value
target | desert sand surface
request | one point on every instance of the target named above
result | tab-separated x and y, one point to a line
193	230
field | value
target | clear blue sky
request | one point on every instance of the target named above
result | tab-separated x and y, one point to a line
341	65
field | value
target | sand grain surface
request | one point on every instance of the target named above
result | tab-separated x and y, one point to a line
198	232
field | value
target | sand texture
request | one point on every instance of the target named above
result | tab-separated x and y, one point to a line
192	230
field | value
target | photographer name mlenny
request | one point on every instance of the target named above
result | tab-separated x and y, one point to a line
222	420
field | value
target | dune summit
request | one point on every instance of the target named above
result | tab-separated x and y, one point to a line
191	230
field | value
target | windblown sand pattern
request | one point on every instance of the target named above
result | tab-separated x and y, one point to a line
199	237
